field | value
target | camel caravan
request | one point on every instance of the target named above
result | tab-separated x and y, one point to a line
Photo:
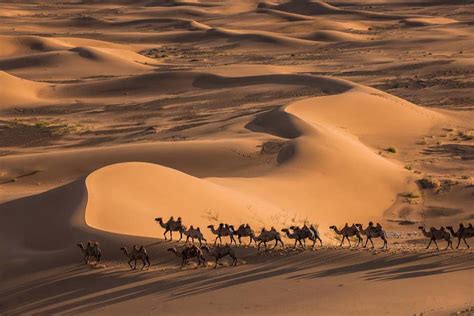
299	235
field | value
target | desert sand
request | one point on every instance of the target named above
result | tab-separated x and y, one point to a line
271	113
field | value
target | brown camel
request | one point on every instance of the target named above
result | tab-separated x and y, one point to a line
172	226
436	234
268	235
194	233
244	230
137	254
222	230
188	252
373	232
346	232
92	250
462	233
220	252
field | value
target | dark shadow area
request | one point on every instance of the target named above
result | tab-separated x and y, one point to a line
63	291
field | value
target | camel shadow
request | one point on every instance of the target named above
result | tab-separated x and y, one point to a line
80	289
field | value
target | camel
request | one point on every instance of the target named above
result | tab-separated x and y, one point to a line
436	234
268	235
187	253
317	235
137	254
171	226
244	230
220	252
193	233
462	233
373	232
222	230
307	232
294	235
346	232
91	250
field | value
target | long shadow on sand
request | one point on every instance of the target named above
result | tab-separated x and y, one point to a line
78	288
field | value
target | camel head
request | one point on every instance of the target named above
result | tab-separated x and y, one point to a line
449	227
285	230
360	225
159	219
210	226
80	245
461	225
333	227
371	224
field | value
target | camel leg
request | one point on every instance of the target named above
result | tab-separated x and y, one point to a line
429	244
181	236
366	242
232	239
449	244
385	243
171	234
164	234
215	241
240	240
276	243
217	262
464	239
187	239
148	261
342	241
302	244
321	241
250	240
314	243
350	245
434	240
234	260
296	240
372	243
359	240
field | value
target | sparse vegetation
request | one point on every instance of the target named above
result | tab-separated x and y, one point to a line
428	183
392	150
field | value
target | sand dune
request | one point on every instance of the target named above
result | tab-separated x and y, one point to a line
84	62
271	113
19	91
